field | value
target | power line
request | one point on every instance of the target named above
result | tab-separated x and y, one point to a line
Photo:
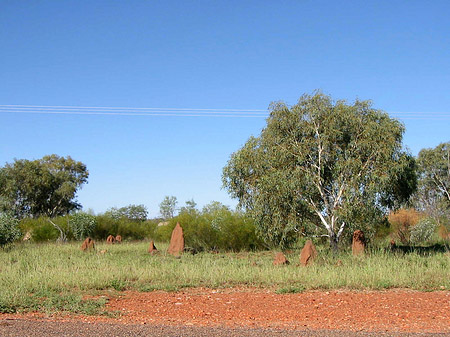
125	111
68	107
181	112
139	114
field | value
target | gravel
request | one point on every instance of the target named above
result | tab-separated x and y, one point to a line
35	328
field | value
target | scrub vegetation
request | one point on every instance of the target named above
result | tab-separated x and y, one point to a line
60	277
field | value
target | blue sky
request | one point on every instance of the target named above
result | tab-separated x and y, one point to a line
205	55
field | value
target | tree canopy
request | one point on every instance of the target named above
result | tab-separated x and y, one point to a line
320	164
45	186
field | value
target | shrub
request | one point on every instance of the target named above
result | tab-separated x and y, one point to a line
128	229
82	225
9	229
216	227
423	231
163	232
41	229
237	232
134	230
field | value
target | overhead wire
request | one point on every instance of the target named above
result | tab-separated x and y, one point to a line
180	112
128	111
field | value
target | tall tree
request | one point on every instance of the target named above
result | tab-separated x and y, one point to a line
318	163
44	186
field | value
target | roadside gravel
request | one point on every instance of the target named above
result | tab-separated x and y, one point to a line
40	328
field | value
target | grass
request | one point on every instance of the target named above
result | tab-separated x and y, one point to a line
55	277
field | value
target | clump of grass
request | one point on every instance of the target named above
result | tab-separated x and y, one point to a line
51	302
54	277
118	285
291	290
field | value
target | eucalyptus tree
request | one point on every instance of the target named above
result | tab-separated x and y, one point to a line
43	187
321	164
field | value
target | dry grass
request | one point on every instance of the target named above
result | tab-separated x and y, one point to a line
55	277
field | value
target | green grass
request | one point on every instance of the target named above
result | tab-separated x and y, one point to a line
55	277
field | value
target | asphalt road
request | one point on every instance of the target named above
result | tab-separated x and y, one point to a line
27	328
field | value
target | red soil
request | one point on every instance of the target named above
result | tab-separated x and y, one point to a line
393	311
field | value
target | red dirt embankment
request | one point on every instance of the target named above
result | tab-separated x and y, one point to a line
393	310
398	310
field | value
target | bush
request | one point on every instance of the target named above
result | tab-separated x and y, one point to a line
402	222
216	227
9	229
128	229
133	230
82	225
42	230
106	225
424	231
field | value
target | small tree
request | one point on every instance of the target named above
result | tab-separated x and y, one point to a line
167	207
9	229
82	225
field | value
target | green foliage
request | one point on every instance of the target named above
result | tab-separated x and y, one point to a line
128	229
163	231
45	186
82	225
130	212
9	229
167	207
403	184
216	227
290	290
199	234
133	230
45	232
189	206
106	225
320	164
42	230
424	231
